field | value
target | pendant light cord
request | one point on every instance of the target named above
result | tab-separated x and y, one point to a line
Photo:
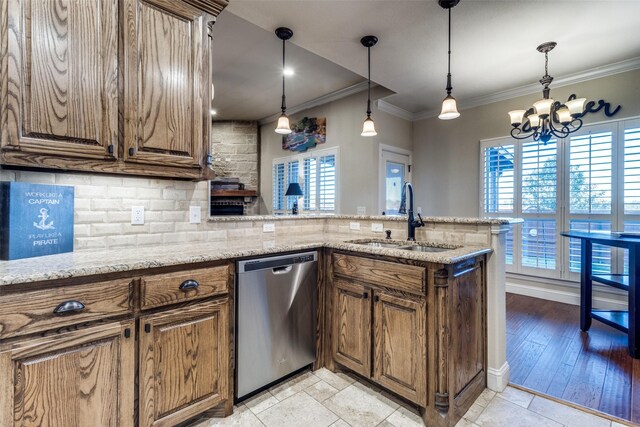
449	59
284	103
369	88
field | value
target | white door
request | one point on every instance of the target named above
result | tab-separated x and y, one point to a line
395	169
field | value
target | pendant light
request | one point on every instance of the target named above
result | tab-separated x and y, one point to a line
368	127
449	106
283	127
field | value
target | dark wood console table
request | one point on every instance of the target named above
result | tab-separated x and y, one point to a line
625	321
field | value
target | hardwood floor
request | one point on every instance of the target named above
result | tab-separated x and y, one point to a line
548	353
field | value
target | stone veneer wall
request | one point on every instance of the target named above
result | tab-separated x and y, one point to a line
234	147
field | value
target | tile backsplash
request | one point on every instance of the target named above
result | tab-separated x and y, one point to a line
103	216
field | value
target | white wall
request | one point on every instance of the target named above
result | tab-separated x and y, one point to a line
446	153
358	173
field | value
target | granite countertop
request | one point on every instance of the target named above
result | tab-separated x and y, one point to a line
437	219
86	263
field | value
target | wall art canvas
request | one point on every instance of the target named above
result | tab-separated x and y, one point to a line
36	220
305	134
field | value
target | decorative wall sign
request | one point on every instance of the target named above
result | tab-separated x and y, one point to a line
36	220
307	133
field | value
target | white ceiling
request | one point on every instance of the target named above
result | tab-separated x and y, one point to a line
493	47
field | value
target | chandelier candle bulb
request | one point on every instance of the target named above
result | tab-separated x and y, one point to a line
517	117
576	106
543	107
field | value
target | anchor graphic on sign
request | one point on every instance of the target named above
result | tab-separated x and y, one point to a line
42	225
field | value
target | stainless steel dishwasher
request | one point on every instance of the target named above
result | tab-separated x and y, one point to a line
276	318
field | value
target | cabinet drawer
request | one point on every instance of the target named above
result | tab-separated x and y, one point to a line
409	278
35	311
170	288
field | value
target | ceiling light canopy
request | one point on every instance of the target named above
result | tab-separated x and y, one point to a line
283	126
368	127
449	105
547	118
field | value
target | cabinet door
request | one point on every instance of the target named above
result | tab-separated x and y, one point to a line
62	71
166	81
184	362
400	362
79	378
351	341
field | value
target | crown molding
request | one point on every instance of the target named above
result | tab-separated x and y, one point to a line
388	108
570	79
330	97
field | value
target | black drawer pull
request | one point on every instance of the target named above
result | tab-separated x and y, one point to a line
188	285
68	307
365	295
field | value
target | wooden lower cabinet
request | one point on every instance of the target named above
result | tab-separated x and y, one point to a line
78	378
397	343
399	348
184	362
351	345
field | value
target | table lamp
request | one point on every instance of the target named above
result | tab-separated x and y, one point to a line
294	190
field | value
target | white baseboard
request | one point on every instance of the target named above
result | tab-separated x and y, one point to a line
498	379
565	294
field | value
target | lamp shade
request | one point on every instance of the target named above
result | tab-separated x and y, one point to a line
294	190
449	109
564	115
517	116
576	106
543	107
283	127
368	128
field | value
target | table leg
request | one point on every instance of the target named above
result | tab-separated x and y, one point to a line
586	284
634	302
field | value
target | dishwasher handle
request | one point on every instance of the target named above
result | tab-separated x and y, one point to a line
282	270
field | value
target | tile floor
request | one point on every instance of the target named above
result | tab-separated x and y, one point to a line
322	398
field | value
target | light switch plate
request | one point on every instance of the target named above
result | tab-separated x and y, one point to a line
377	227
268	227
137	215
195	213
354	226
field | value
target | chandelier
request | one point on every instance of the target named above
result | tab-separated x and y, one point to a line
547	118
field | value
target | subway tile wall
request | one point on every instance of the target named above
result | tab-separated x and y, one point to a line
103	215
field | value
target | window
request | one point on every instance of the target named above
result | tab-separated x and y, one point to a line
589	181
316	172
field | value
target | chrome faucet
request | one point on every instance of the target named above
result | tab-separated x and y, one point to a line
412	223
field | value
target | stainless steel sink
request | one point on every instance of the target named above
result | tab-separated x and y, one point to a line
380	245
420	248
405	246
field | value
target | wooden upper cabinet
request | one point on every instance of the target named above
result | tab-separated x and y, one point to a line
77	378
59	90
351	326
399	326
166	83
184	362
111	86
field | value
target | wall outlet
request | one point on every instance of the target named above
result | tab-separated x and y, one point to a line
195	213
137	215
354	226
419	210
361	210
268	227
377	227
